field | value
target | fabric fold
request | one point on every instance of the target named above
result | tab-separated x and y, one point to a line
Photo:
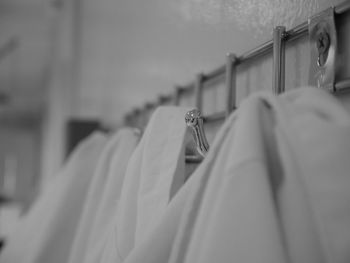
155	173
46	232
103	195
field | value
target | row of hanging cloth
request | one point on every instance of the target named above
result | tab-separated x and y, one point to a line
273	188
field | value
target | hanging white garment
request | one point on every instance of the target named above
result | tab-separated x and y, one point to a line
103	194
155	172
244	147
281	191
46	232
258	202
157	246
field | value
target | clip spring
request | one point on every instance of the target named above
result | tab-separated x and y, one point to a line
194	120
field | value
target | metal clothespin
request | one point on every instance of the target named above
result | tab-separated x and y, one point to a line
194	120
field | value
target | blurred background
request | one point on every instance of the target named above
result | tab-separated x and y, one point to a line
68	67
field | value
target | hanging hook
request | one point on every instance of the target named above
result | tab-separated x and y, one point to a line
194	120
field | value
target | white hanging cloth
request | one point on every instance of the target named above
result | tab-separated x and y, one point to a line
280	193
155	172
157	246
103	195
46	232
273	188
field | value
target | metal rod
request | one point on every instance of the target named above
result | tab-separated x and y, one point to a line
265	48
177	95
279	54
342	85
256	52
183	90
230	83
162	99
149	106
297	32
198	91
215	73
342	8
290	35
189	88
219	116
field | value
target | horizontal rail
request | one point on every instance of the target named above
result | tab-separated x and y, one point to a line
219	116
215	73
342	8
342	85
295	33
292	34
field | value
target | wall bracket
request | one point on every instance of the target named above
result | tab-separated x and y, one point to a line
323	47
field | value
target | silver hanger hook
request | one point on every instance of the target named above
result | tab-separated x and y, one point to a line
194	120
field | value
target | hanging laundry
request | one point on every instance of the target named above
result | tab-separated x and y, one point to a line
281	191
46	232
157	246
103	194
155	172
242	154
273	188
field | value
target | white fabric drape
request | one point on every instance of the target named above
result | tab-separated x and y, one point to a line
280	193
155	172
103	195
46	233
273	188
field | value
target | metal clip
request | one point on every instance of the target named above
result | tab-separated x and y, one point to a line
194	120
323	40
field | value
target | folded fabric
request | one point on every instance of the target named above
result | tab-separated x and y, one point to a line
103	195
158	244
273	188
280	193
155	172
46	232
